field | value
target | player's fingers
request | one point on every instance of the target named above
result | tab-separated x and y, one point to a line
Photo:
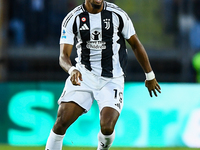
73	80
80	77
157	85
158	89
154	92
150	93
78	83
76	80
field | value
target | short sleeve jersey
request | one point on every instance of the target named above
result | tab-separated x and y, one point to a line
100	38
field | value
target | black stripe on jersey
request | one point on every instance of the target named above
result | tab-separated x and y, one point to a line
122	50
107	36
85	36
82	7
105	5
75	31
70	15
74	27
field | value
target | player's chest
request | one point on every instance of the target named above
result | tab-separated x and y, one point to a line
96	26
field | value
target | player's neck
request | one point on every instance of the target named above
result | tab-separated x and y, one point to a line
92	10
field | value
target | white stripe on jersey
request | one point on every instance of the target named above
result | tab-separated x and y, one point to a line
95	55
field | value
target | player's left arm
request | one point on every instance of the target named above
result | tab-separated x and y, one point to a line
142	57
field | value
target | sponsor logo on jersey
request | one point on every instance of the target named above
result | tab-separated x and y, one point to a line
63	37
118	105
96	44
84	27
63	34
96	35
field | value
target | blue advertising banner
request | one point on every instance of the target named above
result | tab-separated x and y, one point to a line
28	112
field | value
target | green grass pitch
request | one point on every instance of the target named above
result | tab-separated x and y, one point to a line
6	147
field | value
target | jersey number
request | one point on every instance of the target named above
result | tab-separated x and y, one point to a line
120	95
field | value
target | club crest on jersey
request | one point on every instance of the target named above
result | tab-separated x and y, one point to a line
107	23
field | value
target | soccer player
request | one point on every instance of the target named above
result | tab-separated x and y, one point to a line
100	29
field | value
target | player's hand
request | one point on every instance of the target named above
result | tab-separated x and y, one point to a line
76	77
152	85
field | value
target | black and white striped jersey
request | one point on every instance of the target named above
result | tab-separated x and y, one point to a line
100	38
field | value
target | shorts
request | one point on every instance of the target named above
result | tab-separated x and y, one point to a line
108	92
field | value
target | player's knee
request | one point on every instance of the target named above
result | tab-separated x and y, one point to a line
61	124
107	128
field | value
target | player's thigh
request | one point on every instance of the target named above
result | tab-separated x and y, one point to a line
68	112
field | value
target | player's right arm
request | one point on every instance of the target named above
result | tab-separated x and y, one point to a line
65	63
66	46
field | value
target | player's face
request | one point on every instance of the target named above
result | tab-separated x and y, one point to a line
96	4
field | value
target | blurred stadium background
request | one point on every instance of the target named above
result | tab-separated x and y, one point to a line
31	79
